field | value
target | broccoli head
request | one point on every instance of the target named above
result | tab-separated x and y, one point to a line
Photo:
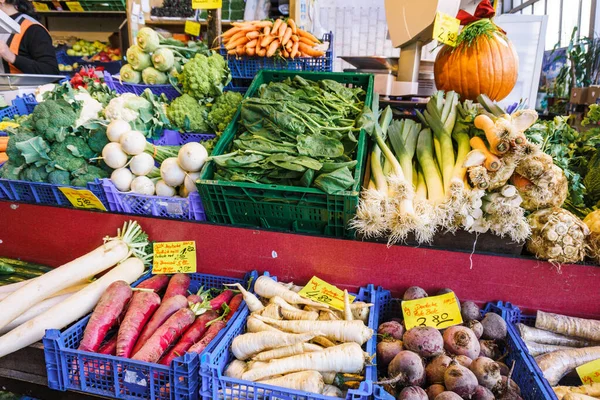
58	177
205	77
69	155
53	118
34	174
11	171
223	110
86	174
187	114
97	139
13	153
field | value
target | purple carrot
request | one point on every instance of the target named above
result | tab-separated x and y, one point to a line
156	283
178	284
191	336
212	332
140	310
234	304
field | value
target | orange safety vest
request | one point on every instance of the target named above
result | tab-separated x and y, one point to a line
25	22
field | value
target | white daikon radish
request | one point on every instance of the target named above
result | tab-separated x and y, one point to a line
116	129
142	164
142	185
34	312
171	172
114	156
129	240
122	178
192	156
190	181
133	142
164	190
69	310
69	290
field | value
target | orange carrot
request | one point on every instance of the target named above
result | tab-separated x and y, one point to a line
276	26
273	48
492	163
3	157
281	31
232	52
252	43
307	42
263	24
236	43
295	38
307	35
229	33
520	182
292	25
286	36
309	50
294	50
250	51
285	53
289	45
267	30
240	50
252	35
261	52
266	41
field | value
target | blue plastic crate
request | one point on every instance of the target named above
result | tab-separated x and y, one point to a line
44	193
72	369
121	87
217	386
247	67
524	375
189	208
174	138
512	315
26	102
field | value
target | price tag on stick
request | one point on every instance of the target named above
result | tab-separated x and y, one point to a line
40	6
322	292
437	311
174	257
207	4
590	372
445	29
82	198
192	28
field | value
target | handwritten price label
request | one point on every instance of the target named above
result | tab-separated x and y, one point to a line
192	28
75	6
438	312
40	6
445	29
207	4
590	372
322	292
174	257
82	198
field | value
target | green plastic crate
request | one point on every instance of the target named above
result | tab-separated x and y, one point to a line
285	208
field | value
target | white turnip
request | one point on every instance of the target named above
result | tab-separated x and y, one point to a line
448	396
460	380
436	368
487	373
141	164
122	178
494	327
133	142
116	129
192	156
463	360
482	393
470	311
190	181
114	156
413	293
412	393
164	190
406	369
142	185
476	327
459	340
489	349
391	328
424	340
433	390
171	172
387	349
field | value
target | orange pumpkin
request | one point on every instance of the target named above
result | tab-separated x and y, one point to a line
489	65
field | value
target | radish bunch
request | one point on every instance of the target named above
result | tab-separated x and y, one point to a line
133	160
462	362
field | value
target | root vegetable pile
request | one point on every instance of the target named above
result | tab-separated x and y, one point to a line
314	348
422	363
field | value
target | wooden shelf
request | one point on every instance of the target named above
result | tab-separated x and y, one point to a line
177	21
79	14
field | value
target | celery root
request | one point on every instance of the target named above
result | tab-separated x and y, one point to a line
557	364
570	326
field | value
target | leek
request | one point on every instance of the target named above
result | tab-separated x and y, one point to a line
403	136
460	134
433	179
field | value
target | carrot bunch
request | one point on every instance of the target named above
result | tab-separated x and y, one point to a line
3	144
268	39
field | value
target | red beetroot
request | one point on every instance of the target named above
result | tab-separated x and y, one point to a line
448	396
234	304
211	333
436	368
179	284
105	315
482	393
166	309
460	340
433	390
140	310
109	347
156	283
165	335
487	373
191	336
407	369
391	328
387	350
412	393
463	360
424	340
413	293
460	380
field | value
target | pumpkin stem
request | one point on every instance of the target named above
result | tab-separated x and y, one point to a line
473	31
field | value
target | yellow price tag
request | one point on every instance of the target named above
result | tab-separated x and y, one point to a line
590	372
8	124
82	198
192	28
437	311
207	4
445	29
75	6
40	6
322	292
174	257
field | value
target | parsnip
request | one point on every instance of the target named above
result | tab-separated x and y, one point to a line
570	326
531	334
251	300
536	349
272	311
307	381
267	287
332	391
290	312
557	364
235	369
253	324
286	351
323	341
589	390
246	345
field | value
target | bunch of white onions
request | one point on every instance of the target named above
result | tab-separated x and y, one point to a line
133	160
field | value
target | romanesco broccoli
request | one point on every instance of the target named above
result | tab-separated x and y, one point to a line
223	110
187	114
87	174
53	118
205	77
58	177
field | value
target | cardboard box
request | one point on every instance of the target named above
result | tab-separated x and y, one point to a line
409	20
579	95
593	95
